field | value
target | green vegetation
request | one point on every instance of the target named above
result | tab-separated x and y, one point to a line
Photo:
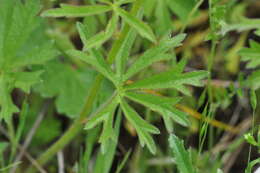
138	86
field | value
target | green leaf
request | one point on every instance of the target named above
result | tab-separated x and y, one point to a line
70	86
154	54
142	28
163	105
100	38
181	8
170	79
7	105
251	140
102	113
142	127
181	156
24	80
121	2
76	11
251	165
23	43
253	99
251	54
97	61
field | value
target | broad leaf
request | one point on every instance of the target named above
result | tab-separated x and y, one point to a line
70	87
154	54
23	43
142	28
76	11
163	105
170	79
181	156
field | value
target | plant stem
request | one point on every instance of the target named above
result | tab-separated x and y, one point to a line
77	126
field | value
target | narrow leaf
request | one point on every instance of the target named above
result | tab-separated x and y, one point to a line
98	62
182	157
170	79
154	54
142	28
76	11
163	105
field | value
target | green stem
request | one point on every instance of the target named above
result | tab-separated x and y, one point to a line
11	132
77	126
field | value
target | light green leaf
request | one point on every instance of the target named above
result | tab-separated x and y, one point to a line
76	11
96	60
121	2
70	86
253	99
142	127
170	79
154	54
251	140
100	38
7	106
251	54
102	113
181	8
181	156
24	80
251	165
163	105
142	28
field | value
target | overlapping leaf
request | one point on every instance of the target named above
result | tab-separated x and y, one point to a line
142	127
22	44
163	105
154	54
170	79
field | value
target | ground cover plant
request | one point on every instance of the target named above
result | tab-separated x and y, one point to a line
138	86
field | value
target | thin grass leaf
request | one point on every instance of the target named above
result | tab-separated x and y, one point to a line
76	11
181	156
154	54
142	28
122	164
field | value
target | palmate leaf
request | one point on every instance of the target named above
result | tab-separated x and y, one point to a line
142	127
154	54
22	44
163	105
142	28
170	79
76	11
181	156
